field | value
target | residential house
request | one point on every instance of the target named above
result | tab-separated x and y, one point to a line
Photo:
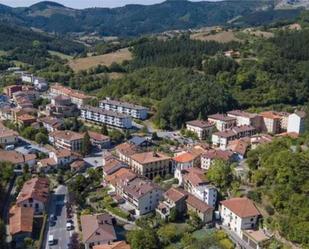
9	90
21	224
62	107
246	118
203	129
271	122
62	157
140	141
34	194
195	182
125	150
143	195
7	136
114	245
78	165
111	165
184	202
222	121
257	140
97	229
239	214
296	122
40	84
18	159
135	111
25	119
221	139
115	179
77	97
204	211
110	118
239	147
151	164
174	198
51	124
185	160
99	140
209	157
69	140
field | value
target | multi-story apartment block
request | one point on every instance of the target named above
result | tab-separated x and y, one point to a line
271	122
246	118
135	111
110	118
77	97
208	158
62	107
296	122
69	140
9	90
202	129
222	138
239	214
142	194
151	164
222	121
195	183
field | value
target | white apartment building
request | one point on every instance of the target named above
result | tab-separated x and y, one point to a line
142	194
202	129
208	158
222	122
69	140
222	138
246	118
296	122
239	214
107	117
135	111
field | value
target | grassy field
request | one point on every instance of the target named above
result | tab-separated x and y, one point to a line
3	53
224	36
105	59
61	55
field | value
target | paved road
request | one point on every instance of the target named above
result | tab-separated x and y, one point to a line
58	208
31	145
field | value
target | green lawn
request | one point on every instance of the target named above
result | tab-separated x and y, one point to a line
61	55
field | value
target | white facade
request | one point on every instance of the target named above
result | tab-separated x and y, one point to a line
38	206
106	117
220	142
28	78
65	160
296	124
236	223
206	193
134	111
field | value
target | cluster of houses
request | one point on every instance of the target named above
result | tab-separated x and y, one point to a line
223	129
31	202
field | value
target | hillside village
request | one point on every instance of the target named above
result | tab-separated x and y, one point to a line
174	135
135	175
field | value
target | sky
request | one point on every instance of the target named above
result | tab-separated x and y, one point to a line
80	4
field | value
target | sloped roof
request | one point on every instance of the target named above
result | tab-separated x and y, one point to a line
114	245
198	204
242	207
97	227
21	220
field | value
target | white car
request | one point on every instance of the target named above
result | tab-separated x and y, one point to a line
69	226
51	240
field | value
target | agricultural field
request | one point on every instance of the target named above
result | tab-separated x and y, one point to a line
223	37
105	59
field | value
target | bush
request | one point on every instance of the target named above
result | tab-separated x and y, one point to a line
255	196
270	210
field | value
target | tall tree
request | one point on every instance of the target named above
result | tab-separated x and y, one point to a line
86	145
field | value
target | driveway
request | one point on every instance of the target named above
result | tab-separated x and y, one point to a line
58	230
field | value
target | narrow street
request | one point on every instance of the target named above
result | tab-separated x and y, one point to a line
58	229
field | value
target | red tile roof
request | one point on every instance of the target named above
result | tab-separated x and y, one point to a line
196	203
175	194
97	228
242	207
114	245
218	154
21	220
35	188
200	123
97	136
195	176
184	157
149	157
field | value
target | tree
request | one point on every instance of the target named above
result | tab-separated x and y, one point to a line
143	239
167	234
173	215
220	173
104	130
116	136
2	234
195	221
155	136
86	145
41	138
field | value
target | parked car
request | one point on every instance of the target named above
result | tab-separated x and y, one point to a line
69	226
51	240
10	147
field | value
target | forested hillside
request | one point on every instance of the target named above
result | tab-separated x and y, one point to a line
131	20
13	37
202	80
280	173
